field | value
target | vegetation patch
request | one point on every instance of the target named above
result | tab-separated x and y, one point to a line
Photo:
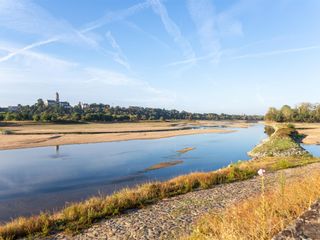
262	216
305	112
6	132
163	165
283	142
187	149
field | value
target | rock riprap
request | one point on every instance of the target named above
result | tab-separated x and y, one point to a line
307	226
171	218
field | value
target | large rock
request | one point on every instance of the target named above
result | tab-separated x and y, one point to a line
307	226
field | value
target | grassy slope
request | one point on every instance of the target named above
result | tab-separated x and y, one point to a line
82	215
283	142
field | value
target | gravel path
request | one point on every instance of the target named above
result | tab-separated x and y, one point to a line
171	218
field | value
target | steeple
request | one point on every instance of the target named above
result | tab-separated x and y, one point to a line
57	97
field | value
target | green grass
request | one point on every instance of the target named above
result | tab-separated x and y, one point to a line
78	216
283	142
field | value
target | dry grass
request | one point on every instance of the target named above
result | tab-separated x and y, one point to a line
163	165
263	216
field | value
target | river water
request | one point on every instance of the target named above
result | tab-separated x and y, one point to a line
47	178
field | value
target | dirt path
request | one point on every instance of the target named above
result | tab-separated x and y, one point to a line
174	217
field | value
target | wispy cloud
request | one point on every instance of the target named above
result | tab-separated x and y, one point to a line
15	52
276	52
230	54
27	17
115	16
108	77
29	56
132	90
151	36
118	55
172	29
191	60
203	15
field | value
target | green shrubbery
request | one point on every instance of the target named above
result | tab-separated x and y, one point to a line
6	132
305	112
283	142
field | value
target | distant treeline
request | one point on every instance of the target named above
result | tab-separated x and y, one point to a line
305	112
105	113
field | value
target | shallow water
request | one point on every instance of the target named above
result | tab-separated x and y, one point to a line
46	178
313	149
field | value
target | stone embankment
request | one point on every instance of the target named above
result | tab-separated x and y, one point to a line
307	226
174	217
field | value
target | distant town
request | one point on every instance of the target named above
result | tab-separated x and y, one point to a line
50	110
47	103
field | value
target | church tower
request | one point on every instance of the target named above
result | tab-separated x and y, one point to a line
57	97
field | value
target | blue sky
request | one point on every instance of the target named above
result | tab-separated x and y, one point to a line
232	56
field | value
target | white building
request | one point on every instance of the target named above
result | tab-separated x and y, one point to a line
65	105
50	102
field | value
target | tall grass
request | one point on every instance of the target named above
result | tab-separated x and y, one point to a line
262	216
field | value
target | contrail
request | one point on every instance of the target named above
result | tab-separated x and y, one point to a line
33	45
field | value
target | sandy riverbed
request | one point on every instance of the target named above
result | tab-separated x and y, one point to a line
39	135
311	130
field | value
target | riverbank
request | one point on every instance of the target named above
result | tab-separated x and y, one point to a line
30	134
176	217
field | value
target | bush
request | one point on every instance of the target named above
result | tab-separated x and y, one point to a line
6	132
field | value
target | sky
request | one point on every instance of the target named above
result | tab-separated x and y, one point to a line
223	56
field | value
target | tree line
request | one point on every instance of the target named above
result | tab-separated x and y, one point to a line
105	113
305	112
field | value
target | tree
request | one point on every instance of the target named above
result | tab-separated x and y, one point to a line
287	113
272	114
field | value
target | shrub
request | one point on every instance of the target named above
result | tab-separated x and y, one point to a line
6	132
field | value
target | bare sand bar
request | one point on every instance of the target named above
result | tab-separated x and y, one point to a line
30	134
311	130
